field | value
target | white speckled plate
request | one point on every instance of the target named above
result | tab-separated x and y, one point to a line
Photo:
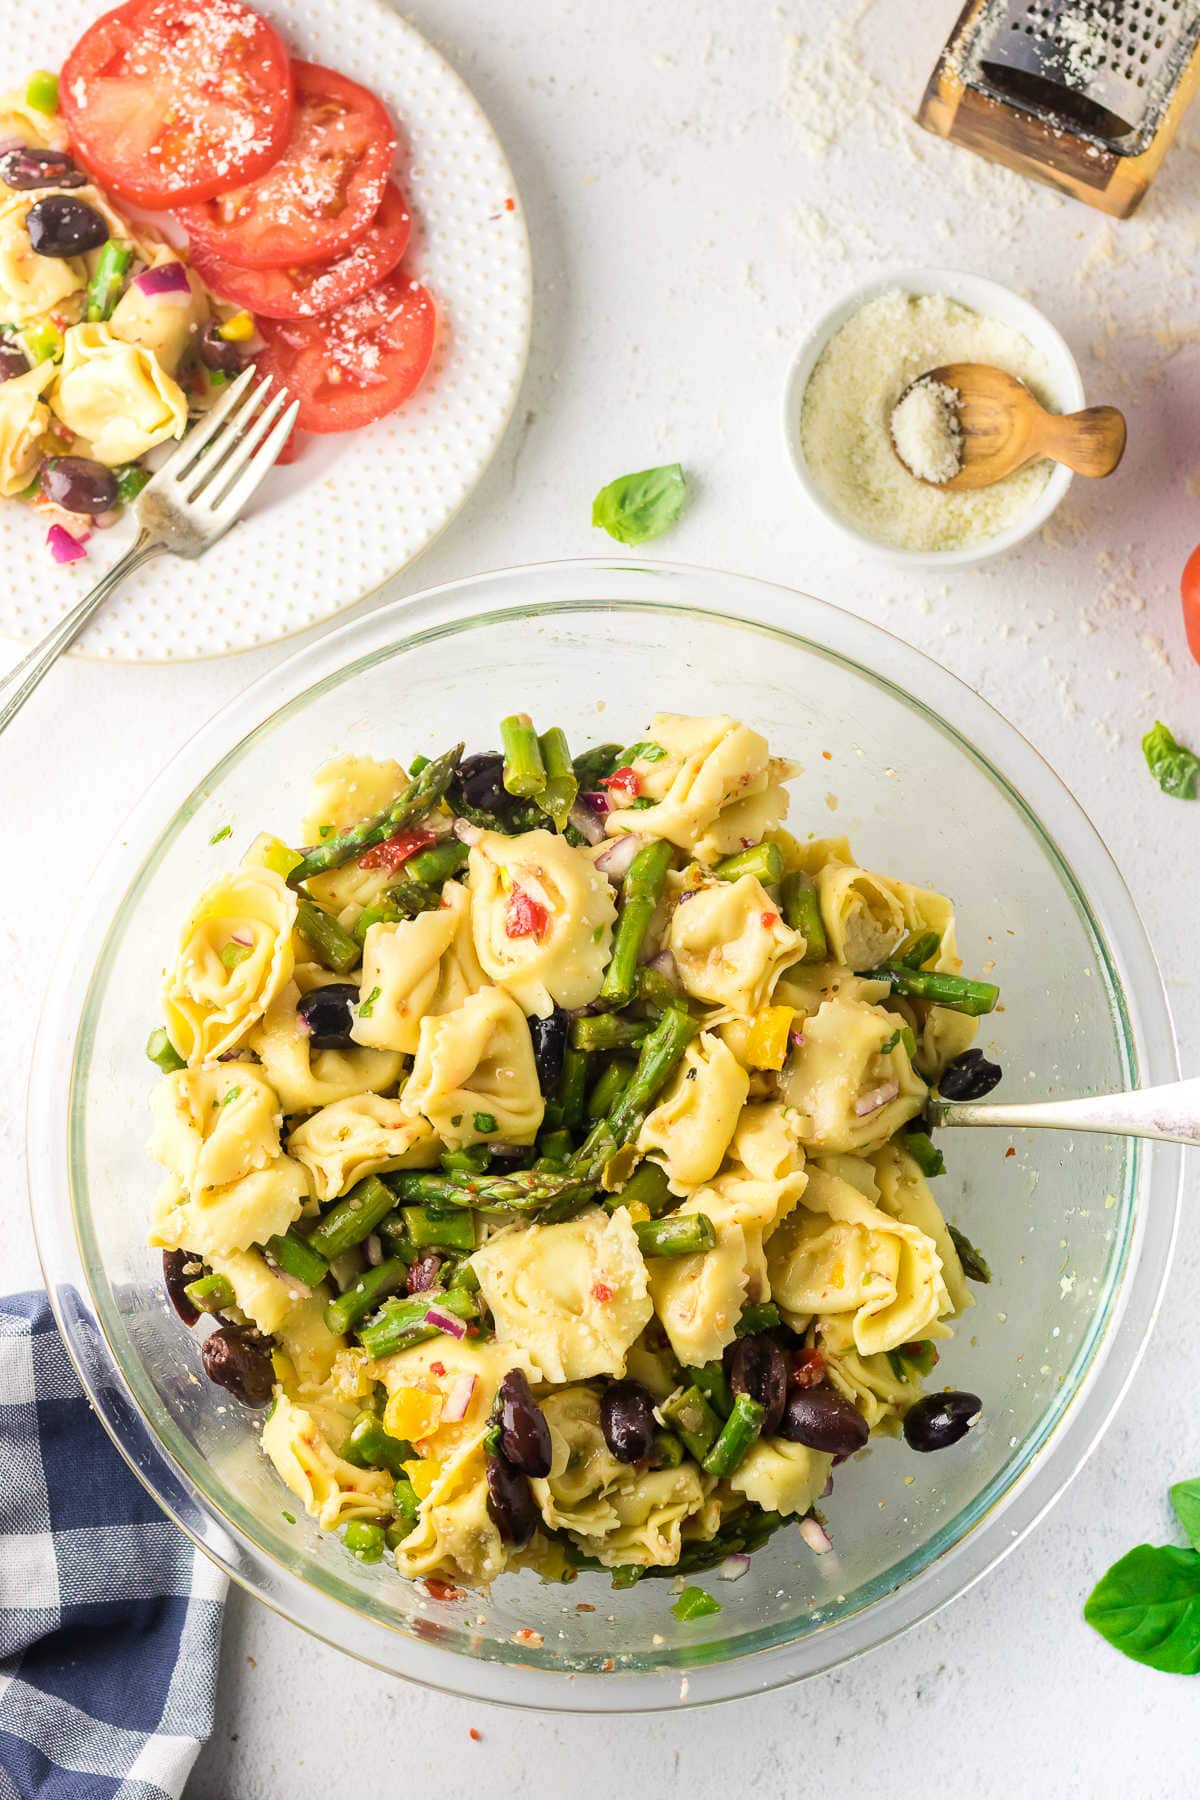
352	509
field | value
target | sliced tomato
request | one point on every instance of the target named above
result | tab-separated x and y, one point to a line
1189	589
310	289
524	916
358	363
176	100
323	192
393	852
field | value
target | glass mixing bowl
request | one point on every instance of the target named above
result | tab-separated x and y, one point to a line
931	785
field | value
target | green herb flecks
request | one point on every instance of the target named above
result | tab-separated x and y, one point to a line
694	1603
1176	769
974	1263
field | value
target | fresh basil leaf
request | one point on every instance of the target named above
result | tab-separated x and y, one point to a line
635	508
1185	1498
1148	1607
1176	770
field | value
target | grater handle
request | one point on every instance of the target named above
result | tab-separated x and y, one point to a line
1091	442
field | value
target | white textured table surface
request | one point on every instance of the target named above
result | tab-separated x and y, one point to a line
698	180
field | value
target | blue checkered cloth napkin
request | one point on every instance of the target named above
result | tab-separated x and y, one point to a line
110	1621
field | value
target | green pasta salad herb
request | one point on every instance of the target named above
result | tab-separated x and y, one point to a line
1176	769
1148	1604
635	508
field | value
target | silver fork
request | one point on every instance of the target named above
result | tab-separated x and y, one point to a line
191	502
1171	1114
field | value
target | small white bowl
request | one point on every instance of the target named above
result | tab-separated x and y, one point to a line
992	301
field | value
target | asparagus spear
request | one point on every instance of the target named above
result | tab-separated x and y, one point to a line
210	1294
437	864
567	1109
608	1088
352	1219
745	1533
364	1294
404	901
974	1263
655	991
640	894
412	805
430	1230
104	288
606	1031
562	785
162	1051
954	991
523	1190
917	950
524	770
683	1234
333	946
292	1253
758	1315
364	1540
591	766
802	911
401	1323
369	1446
763	860
924	1152
693	1420
738	1434
659	1057
713	1383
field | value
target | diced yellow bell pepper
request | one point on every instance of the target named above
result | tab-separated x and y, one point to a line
767	1040
267	852
422	1472
412	1413
237	330
638	1212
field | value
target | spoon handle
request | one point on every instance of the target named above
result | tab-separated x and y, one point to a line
1091	442
1170	1113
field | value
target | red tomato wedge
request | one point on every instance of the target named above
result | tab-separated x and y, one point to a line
311	289
358	363
323	192
175	100
1189	589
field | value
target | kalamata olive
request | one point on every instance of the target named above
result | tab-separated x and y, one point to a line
218	353
511	1502
524	1433
969	1077
60	225
549	1043
176	1264
423	1273
481	781
327	1011
628	1422
237	1363
28	167
823	1419
939	1420
759	1368
13	360
79	485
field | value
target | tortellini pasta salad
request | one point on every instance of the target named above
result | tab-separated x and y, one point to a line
109	341
544	1146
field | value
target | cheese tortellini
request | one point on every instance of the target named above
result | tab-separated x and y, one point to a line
116	395
24	420
730	944
473	1076
542	917
554	1231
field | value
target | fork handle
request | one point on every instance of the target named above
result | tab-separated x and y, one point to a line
1171	1113
20	682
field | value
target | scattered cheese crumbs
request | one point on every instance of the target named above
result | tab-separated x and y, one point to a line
852	391
927	431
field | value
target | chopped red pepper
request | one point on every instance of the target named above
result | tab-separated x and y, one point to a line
626	783
601	1291
525	917
437	1589
768	920
397	849
437	1368
808	1369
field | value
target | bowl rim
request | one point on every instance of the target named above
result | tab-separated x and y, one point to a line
1135	1287
978	292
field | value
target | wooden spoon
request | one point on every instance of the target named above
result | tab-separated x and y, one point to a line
1004	427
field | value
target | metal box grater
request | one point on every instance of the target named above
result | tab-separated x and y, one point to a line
1083	94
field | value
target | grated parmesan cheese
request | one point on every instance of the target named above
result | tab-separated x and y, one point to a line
927	431
848	405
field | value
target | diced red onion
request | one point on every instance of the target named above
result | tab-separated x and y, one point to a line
299	1290
587	823
734	1566
828	1488
166	278
595	801
664	964
796	1039
465	832
374	1249
458	1399
244	938
815	1536
64	548
871	1103
444	1321
615	860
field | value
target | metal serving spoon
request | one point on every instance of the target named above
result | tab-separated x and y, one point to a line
1170	1113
